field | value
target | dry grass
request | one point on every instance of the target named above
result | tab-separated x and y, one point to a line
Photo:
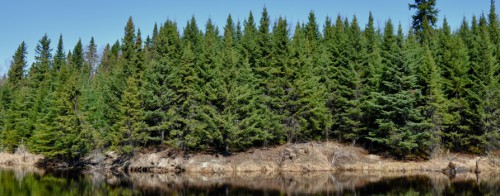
21	157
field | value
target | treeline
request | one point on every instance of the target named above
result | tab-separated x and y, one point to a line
261	83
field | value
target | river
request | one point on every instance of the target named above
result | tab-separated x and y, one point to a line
32	181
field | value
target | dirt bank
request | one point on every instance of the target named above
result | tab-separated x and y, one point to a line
327	156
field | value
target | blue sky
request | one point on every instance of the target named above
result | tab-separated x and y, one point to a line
29	20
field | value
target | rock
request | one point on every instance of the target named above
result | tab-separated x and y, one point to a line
248	166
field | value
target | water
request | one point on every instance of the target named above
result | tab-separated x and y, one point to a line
31	181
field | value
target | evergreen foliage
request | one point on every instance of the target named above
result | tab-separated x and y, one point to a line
260	83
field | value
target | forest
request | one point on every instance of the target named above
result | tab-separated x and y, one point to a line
260	83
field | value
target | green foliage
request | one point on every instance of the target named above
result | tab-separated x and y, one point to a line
259	85
128	132
18	66
424	18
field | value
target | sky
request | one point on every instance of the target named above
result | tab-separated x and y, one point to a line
29	20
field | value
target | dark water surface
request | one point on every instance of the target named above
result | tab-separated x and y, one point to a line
31	181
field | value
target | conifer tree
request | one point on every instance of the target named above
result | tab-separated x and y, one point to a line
59	58
40	83
263	43
128	49
77	56
435	105
18	66
258	85
186	133
424	19
211	97
308	111
91	58
484	97
158	84
58	132
18	123
192	34
249	41
373	73
129	130
341	77
399	120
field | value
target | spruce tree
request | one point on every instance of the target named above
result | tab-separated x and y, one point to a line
91	58
18	66
128	49
308	111
424	19
57	134
398	122
435	106
59	60
187	128
129	131
484	97
158	84
77	56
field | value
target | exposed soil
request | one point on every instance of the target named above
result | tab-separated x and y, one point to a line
327	156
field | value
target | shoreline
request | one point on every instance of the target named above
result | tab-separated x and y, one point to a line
307	157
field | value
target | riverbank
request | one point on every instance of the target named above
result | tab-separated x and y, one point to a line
326	156
306	157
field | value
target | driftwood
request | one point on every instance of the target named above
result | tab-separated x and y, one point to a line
477	171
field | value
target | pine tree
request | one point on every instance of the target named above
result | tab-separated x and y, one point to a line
493	24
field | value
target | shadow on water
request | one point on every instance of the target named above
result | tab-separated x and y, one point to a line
32	181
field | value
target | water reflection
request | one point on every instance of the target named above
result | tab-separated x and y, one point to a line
29	181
